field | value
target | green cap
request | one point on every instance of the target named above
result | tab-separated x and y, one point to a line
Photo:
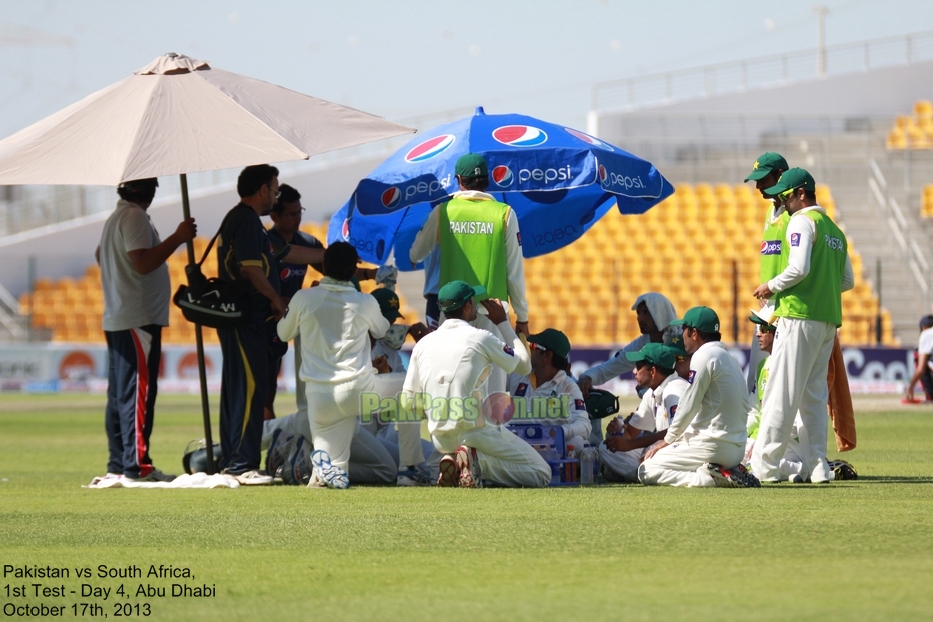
456	293
388	303
791	180
677	346
654	353
472	165
552	340
700	318
766	163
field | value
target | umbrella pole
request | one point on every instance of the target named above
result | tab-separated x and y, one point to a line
199	337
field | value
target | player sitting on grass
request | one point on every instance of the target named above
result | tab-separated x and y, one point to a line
549	395
705	442
627	439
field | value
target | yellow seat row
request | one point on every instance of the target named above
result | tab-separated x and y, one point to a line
913	131
699	247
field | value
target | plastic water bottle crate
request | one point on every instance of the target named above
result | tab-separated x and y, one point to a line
548	441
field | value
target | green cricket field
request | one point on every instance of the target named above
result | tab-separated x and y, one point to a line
859	550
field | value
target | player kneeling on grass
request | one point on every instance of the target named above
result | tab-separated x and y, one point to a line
447	380
627	439
705	442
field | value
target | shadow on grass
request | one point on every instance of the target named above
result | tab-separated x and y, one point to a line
892	479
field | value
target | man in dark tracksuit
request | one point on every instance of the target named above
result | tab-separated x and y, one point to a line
245	252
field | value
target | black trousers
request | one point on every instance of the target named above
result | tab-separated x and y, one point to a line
248	369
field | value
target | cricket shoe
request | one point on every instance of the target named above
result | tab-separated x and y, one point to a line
413	476
736	477
155	475
324	470
449	473
467	462
842	470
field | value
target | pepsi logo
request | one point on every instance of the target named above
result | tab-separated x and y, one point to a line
391	197
520	135
429	148
602	173
770	247
502	176
286	272
588	139
345	229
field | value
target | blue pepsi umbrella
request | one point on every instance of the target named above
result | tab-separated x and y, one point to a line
559	181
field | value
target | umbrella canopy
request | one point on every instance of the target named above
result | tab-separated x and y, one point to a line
175	116
559	181
179	115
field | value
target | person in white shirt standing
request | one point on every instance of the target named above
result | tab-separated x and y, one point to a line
922	372
705	441
447	383
137	292
334	321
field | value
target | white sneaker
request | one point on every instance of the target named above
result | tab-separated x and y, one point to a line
324	470
253	478
821	473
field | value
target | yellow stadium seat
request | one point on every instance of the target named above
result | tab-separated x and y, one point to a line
923	108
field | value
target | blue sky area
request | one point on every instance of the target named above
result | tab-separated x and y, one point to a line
410	57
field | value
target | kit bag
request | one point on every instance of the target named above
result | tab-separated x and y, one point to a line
210	301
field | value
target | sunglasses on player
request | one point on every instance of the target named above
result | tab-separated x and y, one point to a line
786	194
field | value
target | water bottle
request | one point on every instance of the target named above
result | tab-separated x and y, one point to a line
587	464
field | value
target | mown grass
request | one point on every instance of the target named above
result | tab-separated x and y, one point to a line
850	551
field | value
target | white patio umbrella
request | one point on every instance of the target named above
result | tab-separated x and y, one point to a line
179	115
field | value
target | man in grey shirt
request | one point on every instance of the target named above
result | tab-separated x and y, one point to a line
137	292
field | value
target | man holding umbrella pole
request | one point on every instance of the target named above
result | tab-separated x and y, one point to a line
137	292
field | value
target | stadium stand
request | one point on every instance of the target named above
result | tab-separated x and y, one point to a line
691	248
687	248
913	131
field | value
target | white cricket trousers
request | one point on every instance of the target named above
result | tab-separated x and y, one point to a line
333	411
410	450
370	462
796	382
682	463
503	458
797	448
